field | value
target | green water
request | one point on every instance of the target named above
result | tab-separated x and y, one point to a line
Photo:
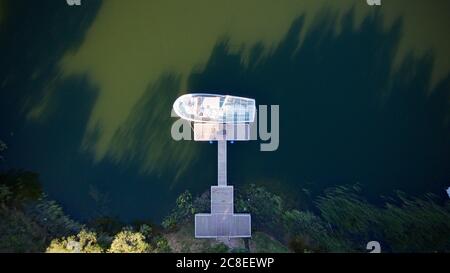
87	93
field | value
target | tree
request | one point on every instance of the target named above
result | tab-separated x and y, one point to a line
183	210
265	207
83	242
128	241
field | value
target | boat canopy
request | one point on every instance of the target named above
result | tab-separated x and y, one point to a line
210	108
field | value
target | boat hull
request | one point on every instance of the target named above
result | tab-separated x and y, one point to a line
212	108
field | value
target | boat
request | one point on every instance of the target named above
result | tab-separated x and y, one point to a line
211	108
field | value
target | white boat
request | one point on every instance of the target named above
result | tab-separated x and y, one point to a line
210	108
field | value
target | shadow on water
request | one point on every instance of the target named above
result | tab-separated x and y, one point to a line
144	141
145	137
346	117
84	188
33	39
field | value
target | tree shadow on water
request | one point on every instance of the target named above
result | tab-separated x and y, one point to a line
35	36
346	115
145	138
144	142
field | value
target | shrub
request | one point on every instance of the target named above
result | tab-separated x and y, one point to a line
83	242
162	245
266	208
184	210
128	241
217	248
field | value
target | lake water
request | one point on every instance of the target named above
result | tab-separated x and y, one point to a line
86	96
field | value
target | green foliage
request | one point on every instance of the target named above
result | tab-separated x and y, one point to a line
19	234
184	210
239	250
162	245
262	243
184	202
217	248
343	222
170	222
416	225
309	232
146	230
28	220
346	222
410	225
351	215
83	242
128	241
266	208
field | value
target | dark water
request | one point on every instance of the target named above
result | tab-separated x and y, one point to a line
346	116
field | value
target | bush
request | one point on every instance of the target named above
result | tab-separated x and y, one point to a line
217	248
239	250
19	234
266	208
402	225
349	214
128	241
308	232
263	243
83	242
162	245
416	225
184	210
